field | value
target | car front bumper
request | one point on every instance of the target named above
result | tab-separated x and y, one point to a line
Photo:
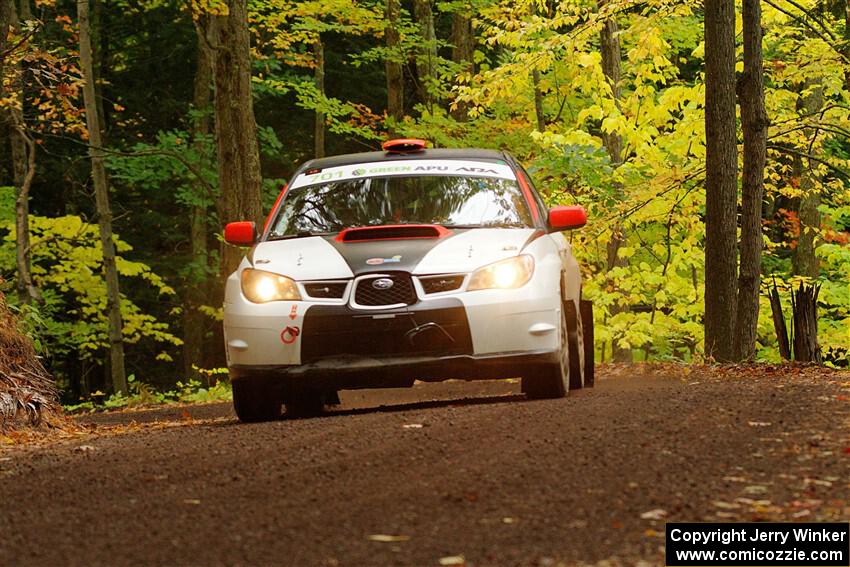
351	373
479	334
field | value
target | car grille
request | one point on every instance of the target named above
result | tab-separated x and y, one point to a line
401	291
439	284
337	331
325	290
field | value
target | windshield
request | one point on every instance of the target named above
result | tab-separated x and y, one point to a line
451	201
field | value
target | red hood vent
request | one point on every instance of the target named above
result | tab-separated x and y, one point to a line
392	232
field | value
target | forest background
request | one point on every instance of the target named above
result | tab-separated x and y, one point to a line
604	103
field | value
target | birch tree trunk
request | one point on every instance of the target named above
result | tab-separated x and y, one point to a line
754	122
721	180
239	175
104	213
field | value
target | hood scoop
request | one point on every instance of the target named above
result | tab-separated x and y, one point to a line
392	232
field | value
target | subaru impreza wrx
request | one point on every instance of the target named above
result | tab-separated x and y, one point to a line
377	269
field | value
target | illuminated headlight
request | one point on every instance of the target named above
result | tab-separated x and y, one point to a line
261	287
506	274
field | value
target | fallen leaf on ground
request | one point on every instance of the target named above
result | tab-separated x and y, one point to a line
386	538
453	560
412	426
656	514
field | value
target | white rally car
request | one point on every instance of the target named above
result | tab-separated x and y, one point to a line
378	269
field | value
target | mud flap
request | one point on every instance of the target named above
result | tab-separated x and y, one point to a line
586	311
574	338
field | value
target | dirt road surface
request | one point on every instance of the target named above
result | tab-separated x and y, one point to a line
448	474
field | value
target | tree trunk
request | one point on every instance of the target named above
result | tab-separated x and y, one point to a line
754	122
609	45
395	78
538	94
27	291
720	180
463	52
538	101
803	260
846	50
104	213
236	130
319	127
426	63
804	303
23	164
779	323
196	284
26	10
98	45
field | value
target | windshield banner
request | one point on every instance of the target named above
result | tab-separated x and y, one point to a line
407	167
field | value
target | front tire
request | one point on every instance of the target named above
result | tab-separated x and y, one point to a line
552	380
255	400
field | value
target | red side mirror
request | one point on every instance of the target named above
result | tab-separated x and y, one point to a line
242	233
567	217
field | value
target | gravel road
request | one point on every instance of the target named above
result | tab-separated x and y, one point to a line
448	474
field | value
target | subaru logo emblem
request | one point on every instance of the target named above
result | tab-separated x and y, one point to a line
383	283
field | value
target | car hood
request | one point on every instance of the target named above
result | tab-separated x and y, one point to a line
321	257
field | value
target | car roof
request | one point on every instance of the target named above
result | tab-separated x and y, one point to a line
434	153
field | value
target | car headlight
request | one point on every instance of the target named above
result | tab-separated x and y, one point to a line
506	274
261	287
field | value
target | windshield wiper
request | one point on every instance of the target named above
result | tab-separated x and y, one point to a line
302	234
488	225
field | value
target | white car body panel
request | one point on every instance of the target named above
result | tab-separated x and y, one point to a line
473	249
301	259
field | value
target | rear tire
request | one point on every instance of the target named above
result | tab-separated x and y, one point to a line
550	381
255	400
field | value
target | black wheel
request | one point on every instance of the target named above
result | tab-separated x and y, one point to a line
305	404
589	350
575	341
550	381
255	399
